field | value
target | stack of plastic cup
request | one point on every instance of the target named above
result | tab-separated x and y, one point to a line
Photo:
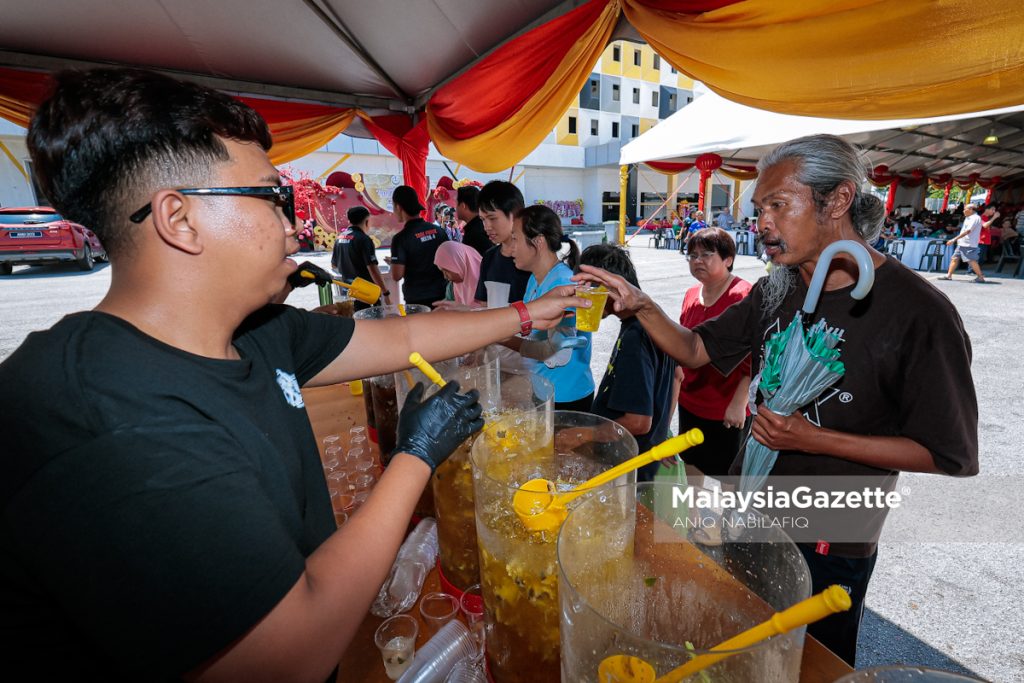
467	671
435	660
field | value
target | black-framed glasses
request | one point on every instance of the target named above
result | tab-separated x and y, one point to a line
282	195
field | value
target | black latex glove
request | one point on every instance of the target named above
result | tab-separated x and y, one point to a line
432	429
322	277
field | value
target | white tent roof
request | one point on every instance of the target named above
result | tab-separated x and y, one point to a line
741	134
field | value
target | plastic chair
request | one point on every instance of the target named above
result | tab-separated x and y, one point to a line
931	259
1010	255
896	248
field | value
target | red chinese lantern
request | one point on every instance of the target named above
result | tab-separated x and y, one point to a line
880	171
708	163
917	174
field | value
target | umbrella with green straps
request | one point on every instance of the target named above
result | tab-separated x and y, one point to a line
801	361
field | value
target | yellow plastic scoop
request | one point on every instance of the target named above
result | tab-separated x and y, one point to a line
540	508
360	289
626	669
426	368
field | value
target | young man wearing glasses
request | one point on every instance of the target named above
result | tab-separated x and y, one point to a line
165	513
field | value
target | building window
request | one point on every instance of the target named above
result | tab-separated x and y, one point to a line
593	88
657	62
689	99
593	127
615	129
572	125
673	70
636	57
672	100
615	92
635	130
616	53
654	98
636	95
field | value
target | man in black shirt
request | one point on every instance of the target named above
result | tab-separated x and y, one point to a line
413	249
636	390
894	409
164	510
473	234
354	255
498	203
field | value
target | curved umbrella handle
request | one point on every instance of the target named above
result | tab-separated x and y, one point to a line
865	275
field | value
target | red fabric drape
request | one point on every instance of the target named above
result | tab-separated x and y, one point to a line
890	199
407	142
20	94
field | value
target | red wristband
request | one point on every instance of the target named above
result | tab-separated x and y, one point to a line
525	323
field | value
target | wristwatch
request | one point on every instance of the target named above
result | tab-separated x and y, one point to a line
525	323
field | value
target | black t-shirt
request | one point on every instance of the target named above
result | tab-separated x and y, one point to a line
353	254
495	267
156	504
473	235
414	247
907	365
638	380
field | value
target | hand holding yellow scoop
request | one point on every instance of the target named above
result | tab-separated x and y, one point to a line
626	669
541	509
360	289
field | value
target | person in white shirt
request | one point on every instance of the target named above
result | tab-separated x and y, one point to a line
967	244
724	220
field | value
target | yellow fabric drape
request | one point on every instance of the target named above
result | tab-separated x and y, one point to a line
294	139
510	141
737	174
15	111
859	59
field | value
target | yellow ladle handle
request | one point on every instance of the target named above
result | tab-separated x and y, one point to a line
426	368
831	600
667	448
309	276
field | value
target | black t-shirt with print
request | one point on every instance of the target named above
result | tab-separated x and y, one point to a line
473	235
495	267
907	365
156	504
353	253
414	247
638	380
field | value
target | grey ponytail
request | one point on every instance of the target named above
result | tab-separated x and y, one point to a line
825	162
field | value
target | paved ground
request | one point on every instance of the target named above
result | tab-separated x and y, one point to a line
951	605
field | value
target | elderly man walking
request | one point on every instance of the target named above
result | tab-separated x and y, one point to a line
967	244
877	420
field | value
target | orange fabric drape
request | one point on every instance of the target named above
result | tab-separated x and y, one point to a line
20	94
731	171
824	58
299	128
500	110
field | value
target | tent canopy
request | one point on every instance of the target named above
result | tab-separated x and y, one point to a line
938	145
488	81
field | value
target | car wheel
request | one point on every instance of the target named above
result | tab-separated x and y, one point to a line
86	262
6	268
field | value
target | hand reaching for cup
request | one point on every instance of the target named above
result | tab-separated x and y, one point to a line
625	297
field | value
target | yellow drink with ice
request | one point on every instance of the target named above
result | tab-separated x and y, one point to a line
589	319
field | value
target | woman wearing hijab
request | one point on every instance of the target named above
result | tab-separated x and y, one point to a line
460	265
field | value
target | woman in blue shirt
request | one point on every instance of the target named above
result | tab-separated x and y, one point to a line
563	355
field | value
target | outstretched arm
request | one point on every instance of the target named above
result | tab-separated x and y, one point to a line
677	341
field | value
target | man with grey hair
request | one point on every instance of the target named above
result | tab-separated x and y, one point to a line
876	420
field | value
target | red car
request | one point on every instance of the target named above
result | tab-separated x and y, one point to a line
38	234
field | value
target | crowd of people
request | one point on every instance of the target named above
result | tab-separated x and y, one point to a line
168	518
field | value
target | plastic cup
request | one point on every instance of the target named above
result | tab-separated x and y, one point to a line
589	319
342	502
337	482
354	454
472	605
357	430
440	654
497	294
360	498
331	440
357	441
340	518
396	640
364	463
438	609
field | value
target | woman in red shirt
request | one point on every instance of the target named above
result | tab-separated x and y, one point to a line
707	400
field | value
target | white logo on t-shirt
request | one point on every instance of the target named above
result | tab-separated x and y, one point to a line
290	388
